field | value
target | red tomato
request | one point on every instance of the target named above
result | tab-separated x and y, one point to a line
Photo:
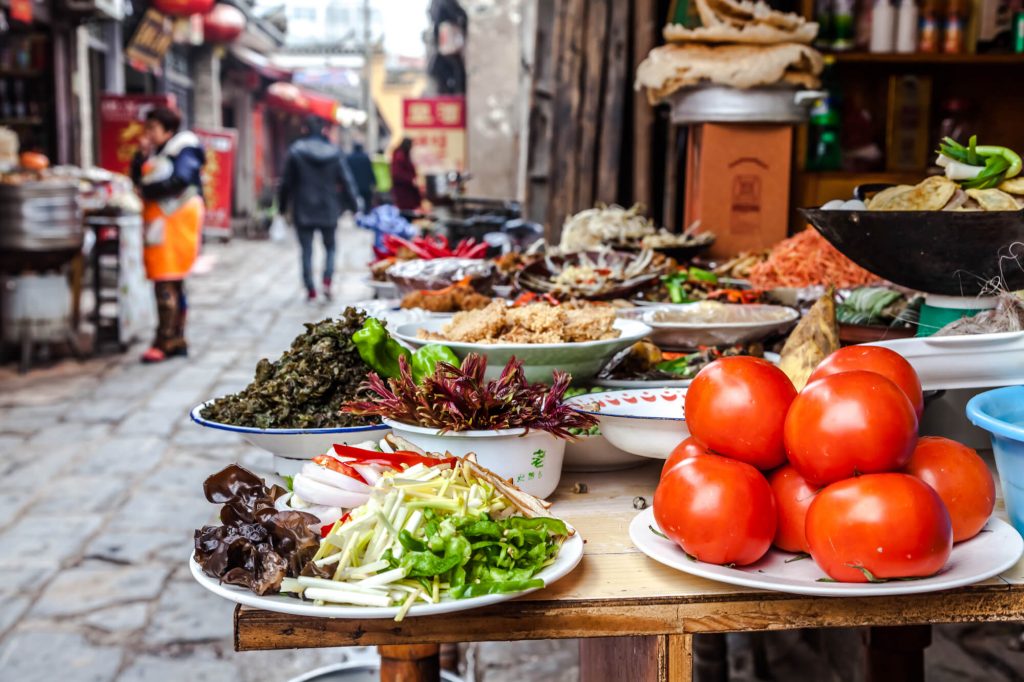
792	499
691	447
848	424
717	509
889	525
962	480
737	407
879	360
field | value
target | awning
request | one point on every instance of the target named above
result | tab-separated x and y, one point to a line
293	99
259	63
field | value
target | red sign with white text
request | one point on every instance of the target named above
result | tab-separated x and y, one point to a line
21	10
437	127
122	118
218	175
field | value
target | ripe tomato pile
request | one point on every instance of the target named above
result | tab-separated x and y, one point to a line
836	470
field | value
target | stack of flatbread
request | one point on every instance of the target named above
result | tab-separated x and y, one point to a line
939	193
742	44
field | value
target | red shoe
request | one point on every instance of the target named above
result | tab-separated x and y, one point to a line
311	296
153	355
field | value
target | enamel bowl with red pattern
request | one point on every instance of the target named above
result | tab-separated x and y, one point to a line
648	422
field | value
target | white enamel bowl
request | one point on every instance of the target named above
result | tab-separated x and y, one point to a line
646	422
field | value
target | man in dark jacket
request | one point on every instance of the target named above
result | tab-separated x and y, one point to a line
316	186
362	172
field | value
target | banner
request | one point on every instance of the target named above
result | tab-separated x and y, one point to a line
150	42
121	123
218	176
437	127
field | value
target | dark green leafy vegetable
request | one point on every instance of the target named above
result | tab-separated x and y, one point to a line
869	306
306	386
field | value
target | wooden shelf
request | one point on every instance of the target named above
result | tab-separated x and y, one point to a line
20	73
924	58
25	121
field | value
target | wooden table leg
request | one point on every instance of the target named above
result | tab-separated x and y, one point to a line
410	663
664	658
897	653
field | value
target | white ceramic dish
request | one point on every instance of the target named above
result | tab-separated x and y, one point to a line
984	556
750	323
382	289
596	453
975	361
646	422
294	447
532	460
568	558
582	360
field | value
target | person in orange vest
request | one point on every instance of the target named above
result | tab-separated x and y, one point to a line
167	171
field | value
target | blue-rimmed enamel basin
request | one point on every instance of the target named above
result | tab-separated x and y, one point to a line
1001	413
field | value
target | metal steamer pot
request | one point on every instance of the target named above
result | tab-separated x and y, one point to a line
712	103
40	217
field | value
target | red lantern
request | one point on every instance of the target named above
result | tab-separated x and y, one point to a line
292	98
183	8
223	24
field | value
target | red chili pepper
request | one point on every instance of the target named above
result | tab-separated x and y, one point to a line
391	459
325	530
551	299
412	246
339	467
523	299
477	251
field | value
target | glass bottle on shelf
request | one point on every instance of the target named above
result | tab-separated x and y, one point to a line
883	27
824	152
906	26
953	27
843	25
928	36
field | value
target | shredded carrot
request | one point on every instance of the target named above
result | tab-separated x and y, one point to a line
807	259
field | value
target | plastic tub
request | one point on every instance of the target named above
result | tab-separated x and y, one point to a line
1001	413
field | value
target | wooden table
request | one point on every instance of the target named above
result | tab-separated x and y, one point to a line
647	613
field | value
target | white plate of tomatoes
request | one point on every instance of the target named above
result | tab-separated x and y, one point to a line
994	550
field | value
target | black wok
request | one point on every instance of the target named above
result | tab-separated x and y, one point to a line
955	253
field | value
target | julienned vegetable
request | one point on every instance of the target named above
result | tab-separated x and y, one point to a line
430	532
459	399
381	352
977	166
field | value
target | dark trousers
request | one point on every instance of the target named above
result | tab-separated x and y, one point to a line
171	307
306	233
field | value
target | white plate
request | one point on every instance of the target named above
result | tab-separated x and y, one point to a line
984	556
293	447
568	558
582	360
645	422
381	289
970	361
672	334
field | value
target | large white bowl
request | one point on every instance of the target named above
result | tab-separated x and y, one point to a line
582	360
596	453
974	361
646	422
687	335
533	461
294	447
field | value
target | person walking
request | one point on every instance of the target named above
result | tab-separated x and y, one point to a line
167	170
404	190
362	173
317	187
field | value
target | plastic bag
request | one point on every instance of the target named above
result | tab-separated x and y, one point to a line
278	228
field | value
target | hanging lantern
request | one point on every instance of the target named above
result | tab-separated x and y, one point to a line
183	8
290	97
223	24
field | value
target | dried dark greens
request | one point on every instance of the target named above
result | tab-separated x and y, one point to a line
306	386
256	546
459	399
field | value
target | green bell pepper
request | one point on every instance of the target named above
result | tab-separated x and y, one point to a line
425	359
378	349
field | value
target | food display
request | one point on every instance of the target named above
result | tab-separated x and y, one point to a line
431	530
807	259
593	275
743	21
605	226
306	386
532	323
739	267
813	339
439	273
644	361
451	299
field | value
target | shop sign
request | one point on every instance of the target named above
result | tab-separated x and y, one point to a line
218	175
150	42
122	119
437	127
21	10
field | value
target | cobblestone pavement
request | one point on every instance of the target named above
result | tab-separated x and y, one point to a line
102	474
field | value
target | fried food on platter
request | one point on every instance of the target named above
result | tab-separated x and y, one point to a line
993	200
930	195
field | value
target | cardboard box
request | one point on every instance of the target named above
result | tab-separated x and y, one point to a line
737	184
908	143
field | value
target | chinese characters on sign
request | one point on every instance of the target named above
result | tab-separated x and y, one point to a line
218	177
150	41
121	124
437	127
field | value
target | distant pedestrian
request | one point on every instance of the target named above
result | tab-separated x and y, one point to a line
167	171
317	187
404	190
362	173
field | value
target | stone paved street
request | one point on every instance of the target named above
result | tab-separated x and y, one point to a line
102	474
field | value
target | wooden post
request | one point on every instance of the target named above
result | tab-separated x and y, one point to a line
613	659
410	663
897	653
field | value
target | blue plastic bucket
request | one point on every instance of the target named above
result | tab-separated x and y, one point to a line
1001	413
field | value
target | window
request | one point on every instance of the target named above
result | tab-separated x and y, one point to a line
302	13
